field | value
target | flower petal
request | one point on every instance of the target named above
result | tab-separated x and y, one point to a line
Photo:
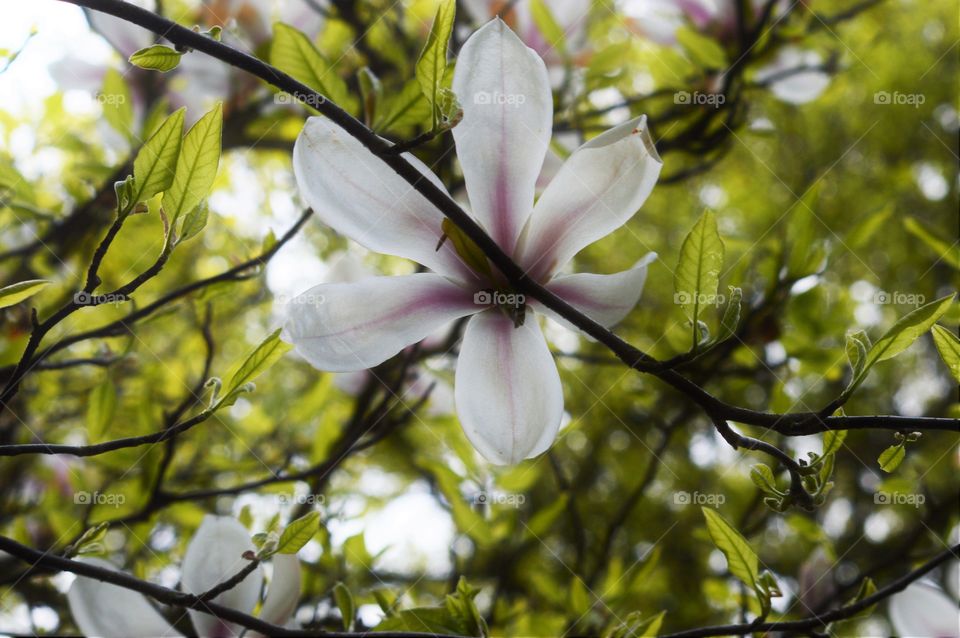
604	298
353	326
595	192
924	611
102	609
507	388
507	118
359	196
215	554
283	594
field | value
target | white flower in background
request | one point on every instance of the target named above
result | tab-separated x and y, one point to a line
923	610
214	555
507	389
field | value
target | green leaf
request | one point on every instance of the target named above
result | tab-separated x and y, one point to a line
15	293
433	59
344	600
891	458
156	162
262	357
298	533
948	345
731	315
762	476
867	588
741	558
856	348
406	108
117	106
950	253
697	277
833	441
371	93
702	49
294	53
548	26
194	222
903	333
157	57
468	251
196	165
101	405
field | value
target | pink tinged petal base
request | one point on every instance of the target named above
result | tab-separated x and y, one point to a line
923	610
359	196
595	192
504	90
354	326
102	609
606	299
507	389
215	554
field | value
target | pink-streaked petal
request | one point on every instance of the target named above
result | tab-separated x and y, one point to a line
283	592
102	609
606	299
359	196
923	610
595	192
353	326
507	388
507	118
215	553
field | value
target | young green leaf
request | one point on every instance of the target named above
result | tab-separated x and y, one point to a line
15	293
891	458
548	26
697	277
156	162
194	222
762	476
294	53
731	315
196	165
949	253
117	106
298	533
741	558
833	441
903	333
262	357
101	405
157	57
702	49
948	345
344	600
856	348
433	60
403	109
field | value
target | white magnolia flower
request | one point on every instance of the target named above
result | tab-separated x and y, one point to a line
923	610
214	555
507	389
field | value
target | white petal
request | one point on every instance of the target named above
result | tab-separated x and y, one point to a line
595	192
102	609
283	593
507	388
924	611
359	196
604	298
214	555
953	579
507	118
797	88
353	326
